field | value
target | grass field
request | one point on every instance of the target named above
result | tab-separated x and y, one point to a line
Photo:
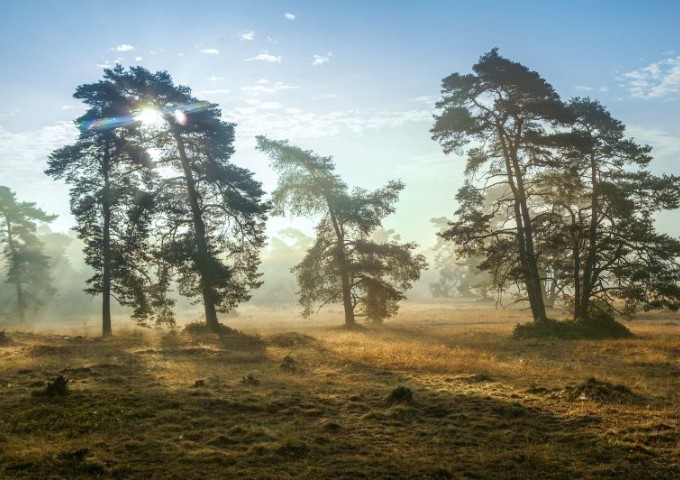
286	398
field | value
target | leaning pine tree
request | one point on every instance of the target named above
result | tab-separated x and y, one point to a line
502	111
345	264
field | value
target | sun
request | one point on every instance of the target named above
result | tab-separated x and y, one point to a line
150	117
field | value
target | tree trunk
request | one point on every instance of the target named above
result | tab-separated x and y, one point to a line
344	270
106	251
591	256
202	254
347	295
21	300
525	240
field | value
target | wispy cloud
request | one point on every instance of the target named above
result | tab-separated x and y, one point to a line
266	57
66	107
214	78
24	174
321	59
123	47
265	87
214	91
657	80
289	16
139	59
424	99
666	146
209	51
583	88
248	36
295	123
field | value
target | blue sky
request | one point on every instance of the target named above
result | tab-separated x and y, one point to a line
356	80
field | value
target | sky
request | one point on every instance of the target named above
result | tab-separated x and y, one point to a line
353	79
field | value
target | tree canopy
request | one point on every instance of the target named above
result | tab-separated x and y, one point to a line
28	268
556	199
345	264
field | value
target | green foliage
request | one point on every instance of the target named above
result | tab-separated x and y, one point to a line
207	214
369	276
28	268
557	200
211	215
111	198
502	110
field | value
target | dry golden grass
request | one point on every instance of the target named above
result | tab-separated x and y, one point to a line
154	404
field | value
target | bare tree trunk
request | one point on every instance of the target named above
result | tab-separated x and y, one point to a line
344	270
106	249
525	240
21	299
589	267
106	273
202	254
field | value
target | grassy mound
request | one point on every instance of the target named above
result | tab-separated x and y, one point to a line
595	329
202	328
600	391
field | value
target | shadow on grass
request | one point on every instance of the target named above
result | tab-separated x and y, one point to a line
124	418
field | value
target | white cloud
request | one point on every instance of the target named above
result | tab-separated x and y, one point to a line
265	87
266	57
666	146
210	51
214	78
583	88
180	54
214	91
296	123
269	106
28	152
289	16
66	107
248	36
321	59
106	64
123	47
603	89
657	80
424	99
139	59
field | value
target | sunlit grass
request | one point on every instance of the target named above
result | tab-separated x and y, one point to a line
152	403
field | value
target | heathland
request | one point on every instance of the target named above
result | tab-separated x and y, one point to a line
279	397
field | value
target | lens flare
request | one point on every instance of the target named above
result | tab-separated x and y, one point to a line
181	117
150	117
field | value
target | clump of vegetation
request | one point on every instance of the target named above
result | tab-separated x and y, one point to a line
601	391
250	380
4	338
201	328
291	339
294	449
58	387
288	364
401	394
594	329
